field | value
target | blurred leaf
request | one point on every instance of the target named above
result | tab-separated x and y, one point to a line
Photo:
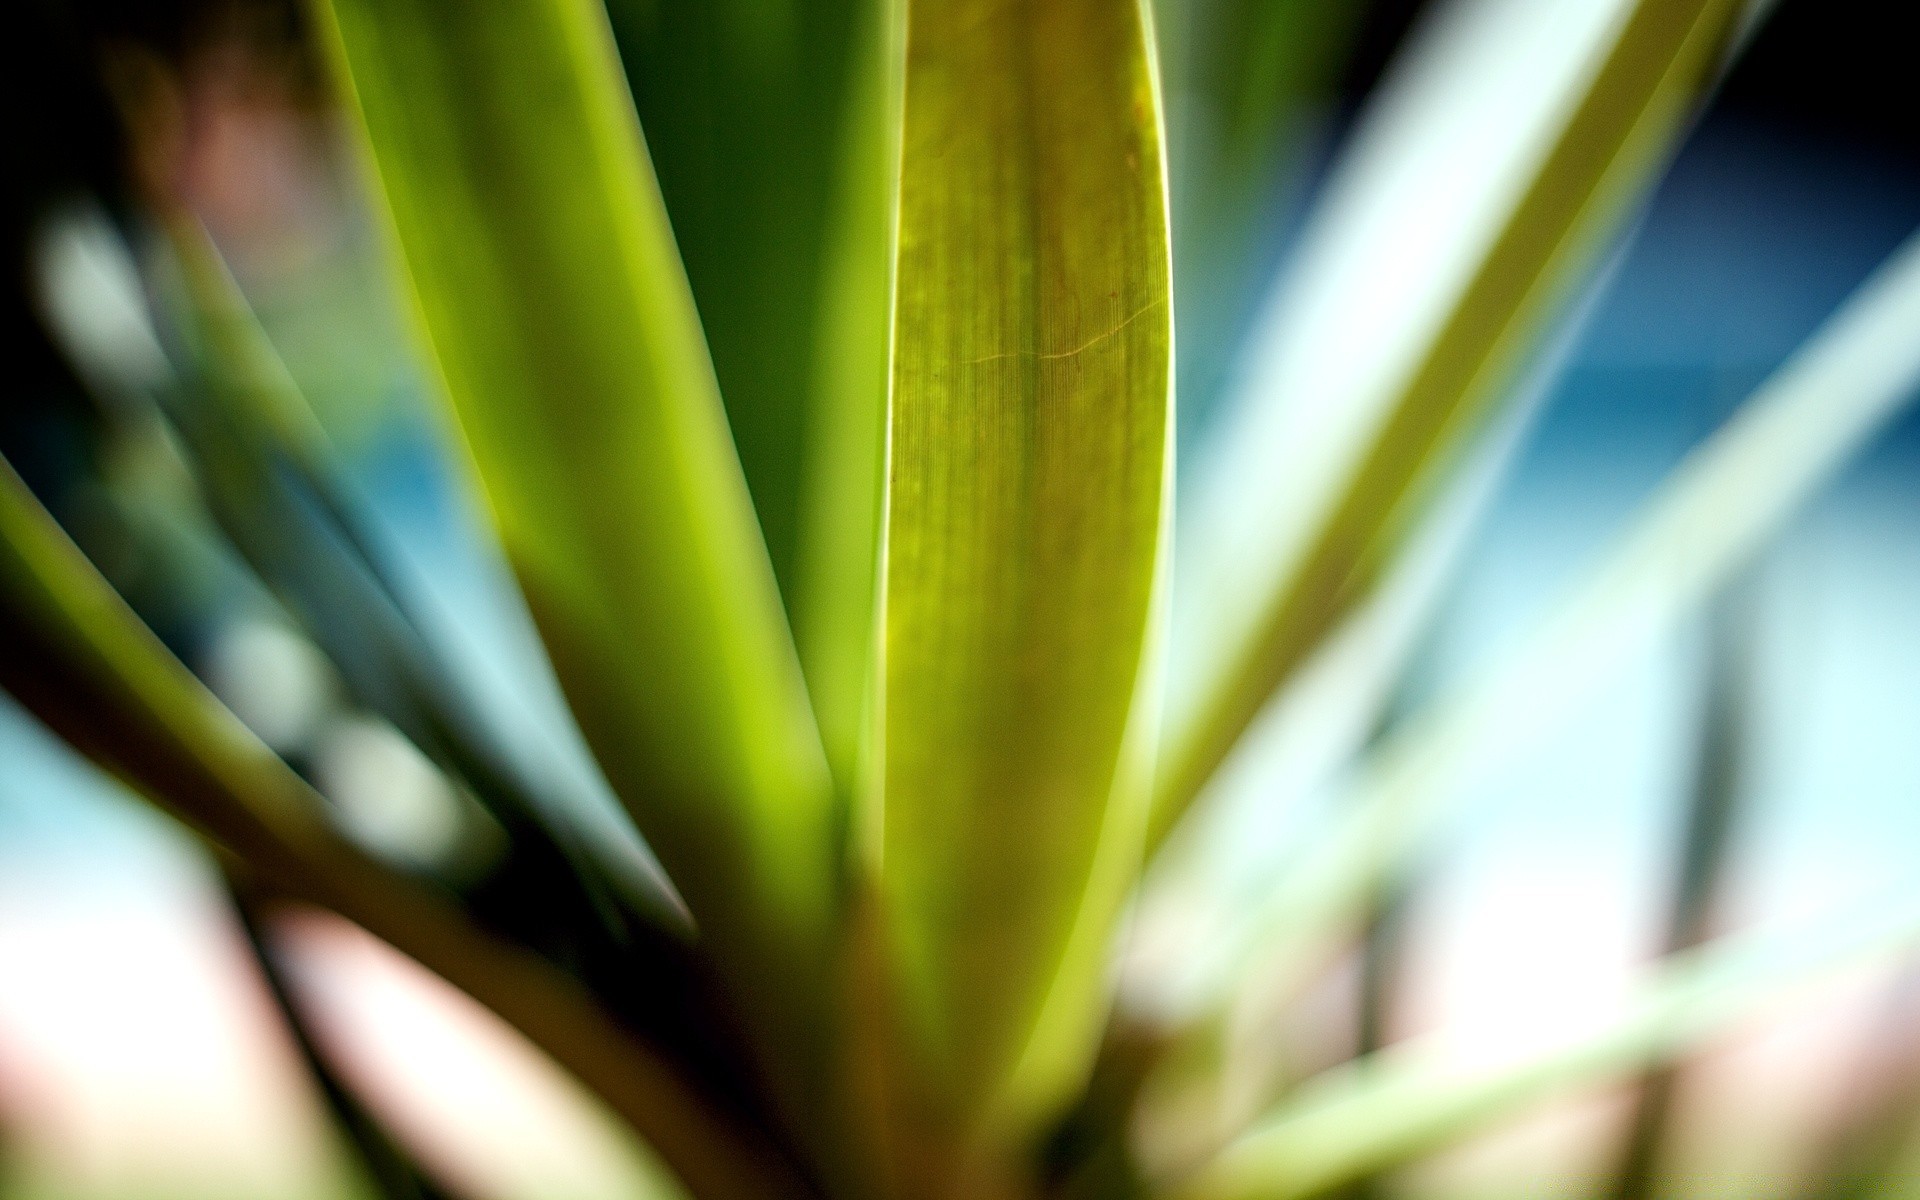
538	249
78	658
392	1170
1027	495
835	585
266	473
1251	90
1376	1112
1719	506
1703	845
1478	190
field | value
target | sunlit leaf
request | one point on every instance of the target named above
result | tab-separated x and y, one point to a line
529	223
772	128
1027	495
835	574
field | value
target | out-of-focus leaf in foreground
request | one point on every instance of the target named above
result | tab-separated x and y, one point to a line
1027	498
1496	163
1809	419
1375	1113
82	662
267	478
529	222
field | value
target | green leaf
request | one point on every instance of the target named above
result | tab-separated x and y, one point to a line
1027	496
835	586
80	660
1805	423
550	292
1377	1112
746	105
1479	189
263	467
773	128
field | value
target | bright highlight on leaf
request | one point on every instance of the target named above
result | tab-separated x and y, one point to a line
1027	492
1502	159
815	360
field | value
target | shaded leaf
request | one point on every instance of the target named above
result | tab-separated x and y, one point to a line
269	481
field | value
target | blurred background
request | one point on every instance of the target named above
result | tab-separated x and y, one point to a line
142	1056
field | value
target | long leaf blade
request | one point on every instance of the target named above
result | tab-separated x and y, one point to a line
1376	1113
528	219
1366	443
81	661
837	544
1028	452
1808	420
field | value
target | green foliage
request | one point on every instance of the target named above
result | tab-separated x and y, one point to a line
1027	491
548	286
816	364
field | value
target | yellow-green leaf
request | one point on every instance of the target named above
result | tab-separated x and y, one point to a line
528	220
837	549
1027	497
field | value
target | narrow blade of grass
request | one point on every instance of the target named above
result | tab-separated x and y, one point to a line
533	234
81	661
1480	190
1382	1111
1027	498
